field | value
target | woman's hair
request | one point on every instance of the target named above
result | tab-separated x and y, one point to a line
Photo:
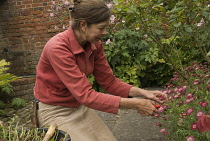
91	11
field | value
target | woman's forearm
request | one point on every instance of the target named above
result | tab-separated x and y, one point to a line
137	92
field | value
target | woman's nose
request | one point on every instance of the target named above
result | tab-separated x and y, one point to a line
104	32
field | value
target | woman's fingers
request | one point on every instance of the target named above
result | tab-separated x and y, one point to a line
149	109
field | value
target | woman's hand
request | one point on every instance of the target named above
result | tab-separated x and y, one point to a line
144	106
156	96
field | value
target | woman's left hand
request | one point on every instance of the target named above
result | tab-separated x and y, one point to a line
156	96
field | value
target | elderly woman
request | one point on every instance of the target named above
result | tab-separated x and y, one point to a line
66	97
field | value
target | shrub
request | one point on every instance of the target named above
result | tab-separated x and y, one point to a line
178	29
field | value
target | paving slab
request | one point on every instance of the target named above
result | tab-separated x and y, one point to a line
129	125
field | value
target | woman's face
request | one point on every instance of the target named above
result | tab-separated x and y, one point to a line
96	31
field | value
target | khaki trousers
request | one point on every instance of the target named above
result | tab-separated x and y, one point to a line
82	123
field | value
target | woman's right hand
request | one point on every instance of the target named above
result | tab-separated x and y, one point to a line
144	106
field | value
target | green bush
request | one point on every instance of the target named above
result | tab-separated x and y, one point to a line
130	57
179	29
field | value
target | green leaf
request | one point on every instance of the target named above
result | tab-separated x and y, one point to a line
177	24
188	29
159	32
208	54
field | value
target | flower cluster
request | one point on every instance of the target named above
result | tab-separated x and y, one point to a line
188	102
59	14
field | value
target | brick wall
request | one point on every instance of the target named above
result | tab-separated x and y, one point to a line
25	27
22	88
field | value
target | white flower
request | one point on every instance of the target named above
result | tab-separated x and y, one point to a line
66	2
56	27
109	5
108	41
52	14
201	22
112	18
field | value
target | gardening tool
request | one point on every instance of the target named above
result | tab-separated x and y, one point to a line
34	118
50	132
157	106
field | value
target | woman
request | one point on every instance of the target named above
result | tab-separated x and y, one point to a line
66	97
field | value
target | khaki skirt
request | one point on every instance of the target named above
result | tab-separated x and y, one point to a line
82	123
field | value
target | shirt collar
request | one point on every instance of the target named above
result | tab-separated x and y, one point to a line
75	46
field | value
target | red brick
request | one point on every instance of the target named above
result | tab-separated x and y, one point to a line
28	6
27	2
36	12
21	6
36	5
25	12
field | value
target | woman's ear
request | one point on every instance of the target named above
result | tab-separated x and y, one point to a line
83	26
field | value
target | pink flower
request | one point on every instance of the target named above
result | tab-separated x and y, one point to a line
197	81
177	96
162	98
199	114
162	108
189	111
183	114
163	130
158	124
189	100
194	126
203	103
189	96
190	138
156	115
165	133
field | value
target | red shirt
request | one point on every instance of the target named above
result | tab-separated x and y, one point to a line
61	75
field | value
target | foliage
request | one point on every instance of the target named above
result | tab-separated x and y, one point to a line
11	131
186	103
6	87
179	29
130	55
59	14
5	78
18	102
